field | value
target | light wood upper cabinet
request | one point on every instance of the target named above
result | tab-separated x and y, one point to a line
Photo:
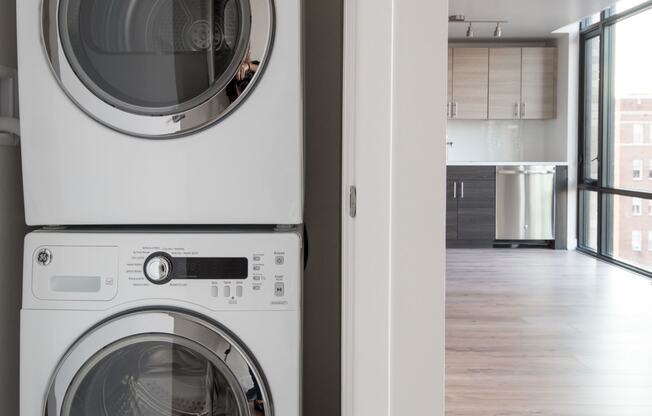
449	108
470	83
538	92
504	83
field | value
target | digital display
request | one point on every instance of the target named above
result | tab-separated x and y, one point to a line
210	268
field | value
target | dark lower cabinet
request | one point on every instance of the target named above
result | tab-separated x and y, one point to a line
471	206
476	210
451	210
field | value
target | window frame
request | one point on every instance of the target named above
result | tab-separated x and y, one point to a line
588	32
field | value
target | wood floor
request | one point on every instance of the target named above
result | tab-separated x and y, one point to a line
546	333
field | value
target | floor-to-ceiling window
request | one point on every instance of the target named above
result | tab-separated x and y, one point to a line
615	197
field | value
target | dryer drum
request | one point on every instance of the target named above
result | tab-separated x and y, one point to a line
158	68
155	378
155	56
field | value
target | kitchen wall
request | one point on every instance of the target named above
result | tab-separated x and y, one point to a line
505	140
12	230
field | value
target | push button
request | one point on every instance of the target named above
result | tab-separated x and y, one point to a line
279	289
238	291
280	260
214	291
227	291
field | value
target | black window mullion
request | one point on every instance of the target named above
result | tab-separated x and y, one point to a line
602	143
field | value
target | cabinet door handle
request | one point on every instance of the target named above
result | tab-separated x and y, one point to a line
448	110
462	193
454	190
517	110
523	110
454	109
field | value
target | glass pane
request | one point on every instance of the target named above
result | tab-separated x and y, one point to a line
630	230
624	5
589	220
590	20
630	104
155	56
591	107
154	377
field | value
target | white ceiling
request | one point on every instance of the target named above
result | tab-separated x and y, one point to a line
527	18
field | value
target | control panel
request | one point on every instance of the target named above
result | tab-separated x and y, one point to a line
217	271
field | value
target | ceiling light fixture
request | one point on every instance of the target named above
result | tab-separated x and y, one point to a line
460	18
469	31
498	32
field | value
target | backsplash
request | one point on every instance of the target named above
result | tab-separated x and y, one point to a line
505	140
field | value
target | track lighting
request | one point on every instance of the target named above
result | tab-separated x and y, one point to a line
460	18
469	31
498	32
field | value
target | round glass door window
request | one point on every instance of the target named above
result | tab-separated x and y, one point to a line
153	375
189	61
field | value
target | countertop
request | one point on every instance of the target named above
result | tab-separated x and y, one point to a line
503	163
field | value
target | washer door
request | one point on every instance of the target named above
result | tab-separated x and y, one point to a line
158	363
157	68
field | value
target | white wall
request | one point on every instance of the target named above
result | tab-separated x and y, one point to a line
12	229
568	45
394	250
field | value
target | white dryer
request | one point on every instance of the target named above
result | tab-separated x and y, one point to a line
121	324
161	111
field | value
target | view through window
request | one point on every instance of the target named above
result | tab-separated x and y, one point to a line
616	171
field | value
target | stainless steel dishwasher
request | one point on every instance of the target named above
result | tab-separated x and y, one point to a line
525	203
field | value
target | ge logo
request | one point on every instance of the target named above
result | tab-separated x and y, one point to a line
44	257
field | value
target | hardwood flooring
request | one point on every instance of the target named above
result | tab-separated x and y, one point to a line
546	333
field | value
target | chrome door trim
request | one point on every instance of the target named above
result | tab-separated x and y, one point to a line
188	328
153	126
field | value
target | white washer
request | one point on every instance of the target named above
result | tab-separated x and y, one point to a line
117	323
161	111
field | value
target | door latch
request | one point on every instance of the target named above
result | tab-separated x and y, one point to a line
353	201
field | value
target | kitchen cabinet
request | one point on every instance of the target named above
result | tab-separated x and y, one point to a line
476	210
470	205
470	83
507	83
449	86
451	210
538	95
504	83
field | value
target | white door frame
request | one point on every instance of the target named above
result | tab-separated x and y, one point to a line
395	71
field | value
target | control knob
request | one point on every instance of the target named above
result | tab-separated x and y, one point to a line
158	269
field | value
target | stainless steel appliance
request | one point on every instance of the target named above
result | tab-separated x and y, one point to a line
525	203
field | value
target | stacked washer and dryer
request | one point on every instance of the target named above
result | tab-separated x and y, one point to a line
162	146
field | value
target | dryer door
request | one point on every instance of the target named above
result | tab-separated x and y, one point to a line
158	363
157	68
